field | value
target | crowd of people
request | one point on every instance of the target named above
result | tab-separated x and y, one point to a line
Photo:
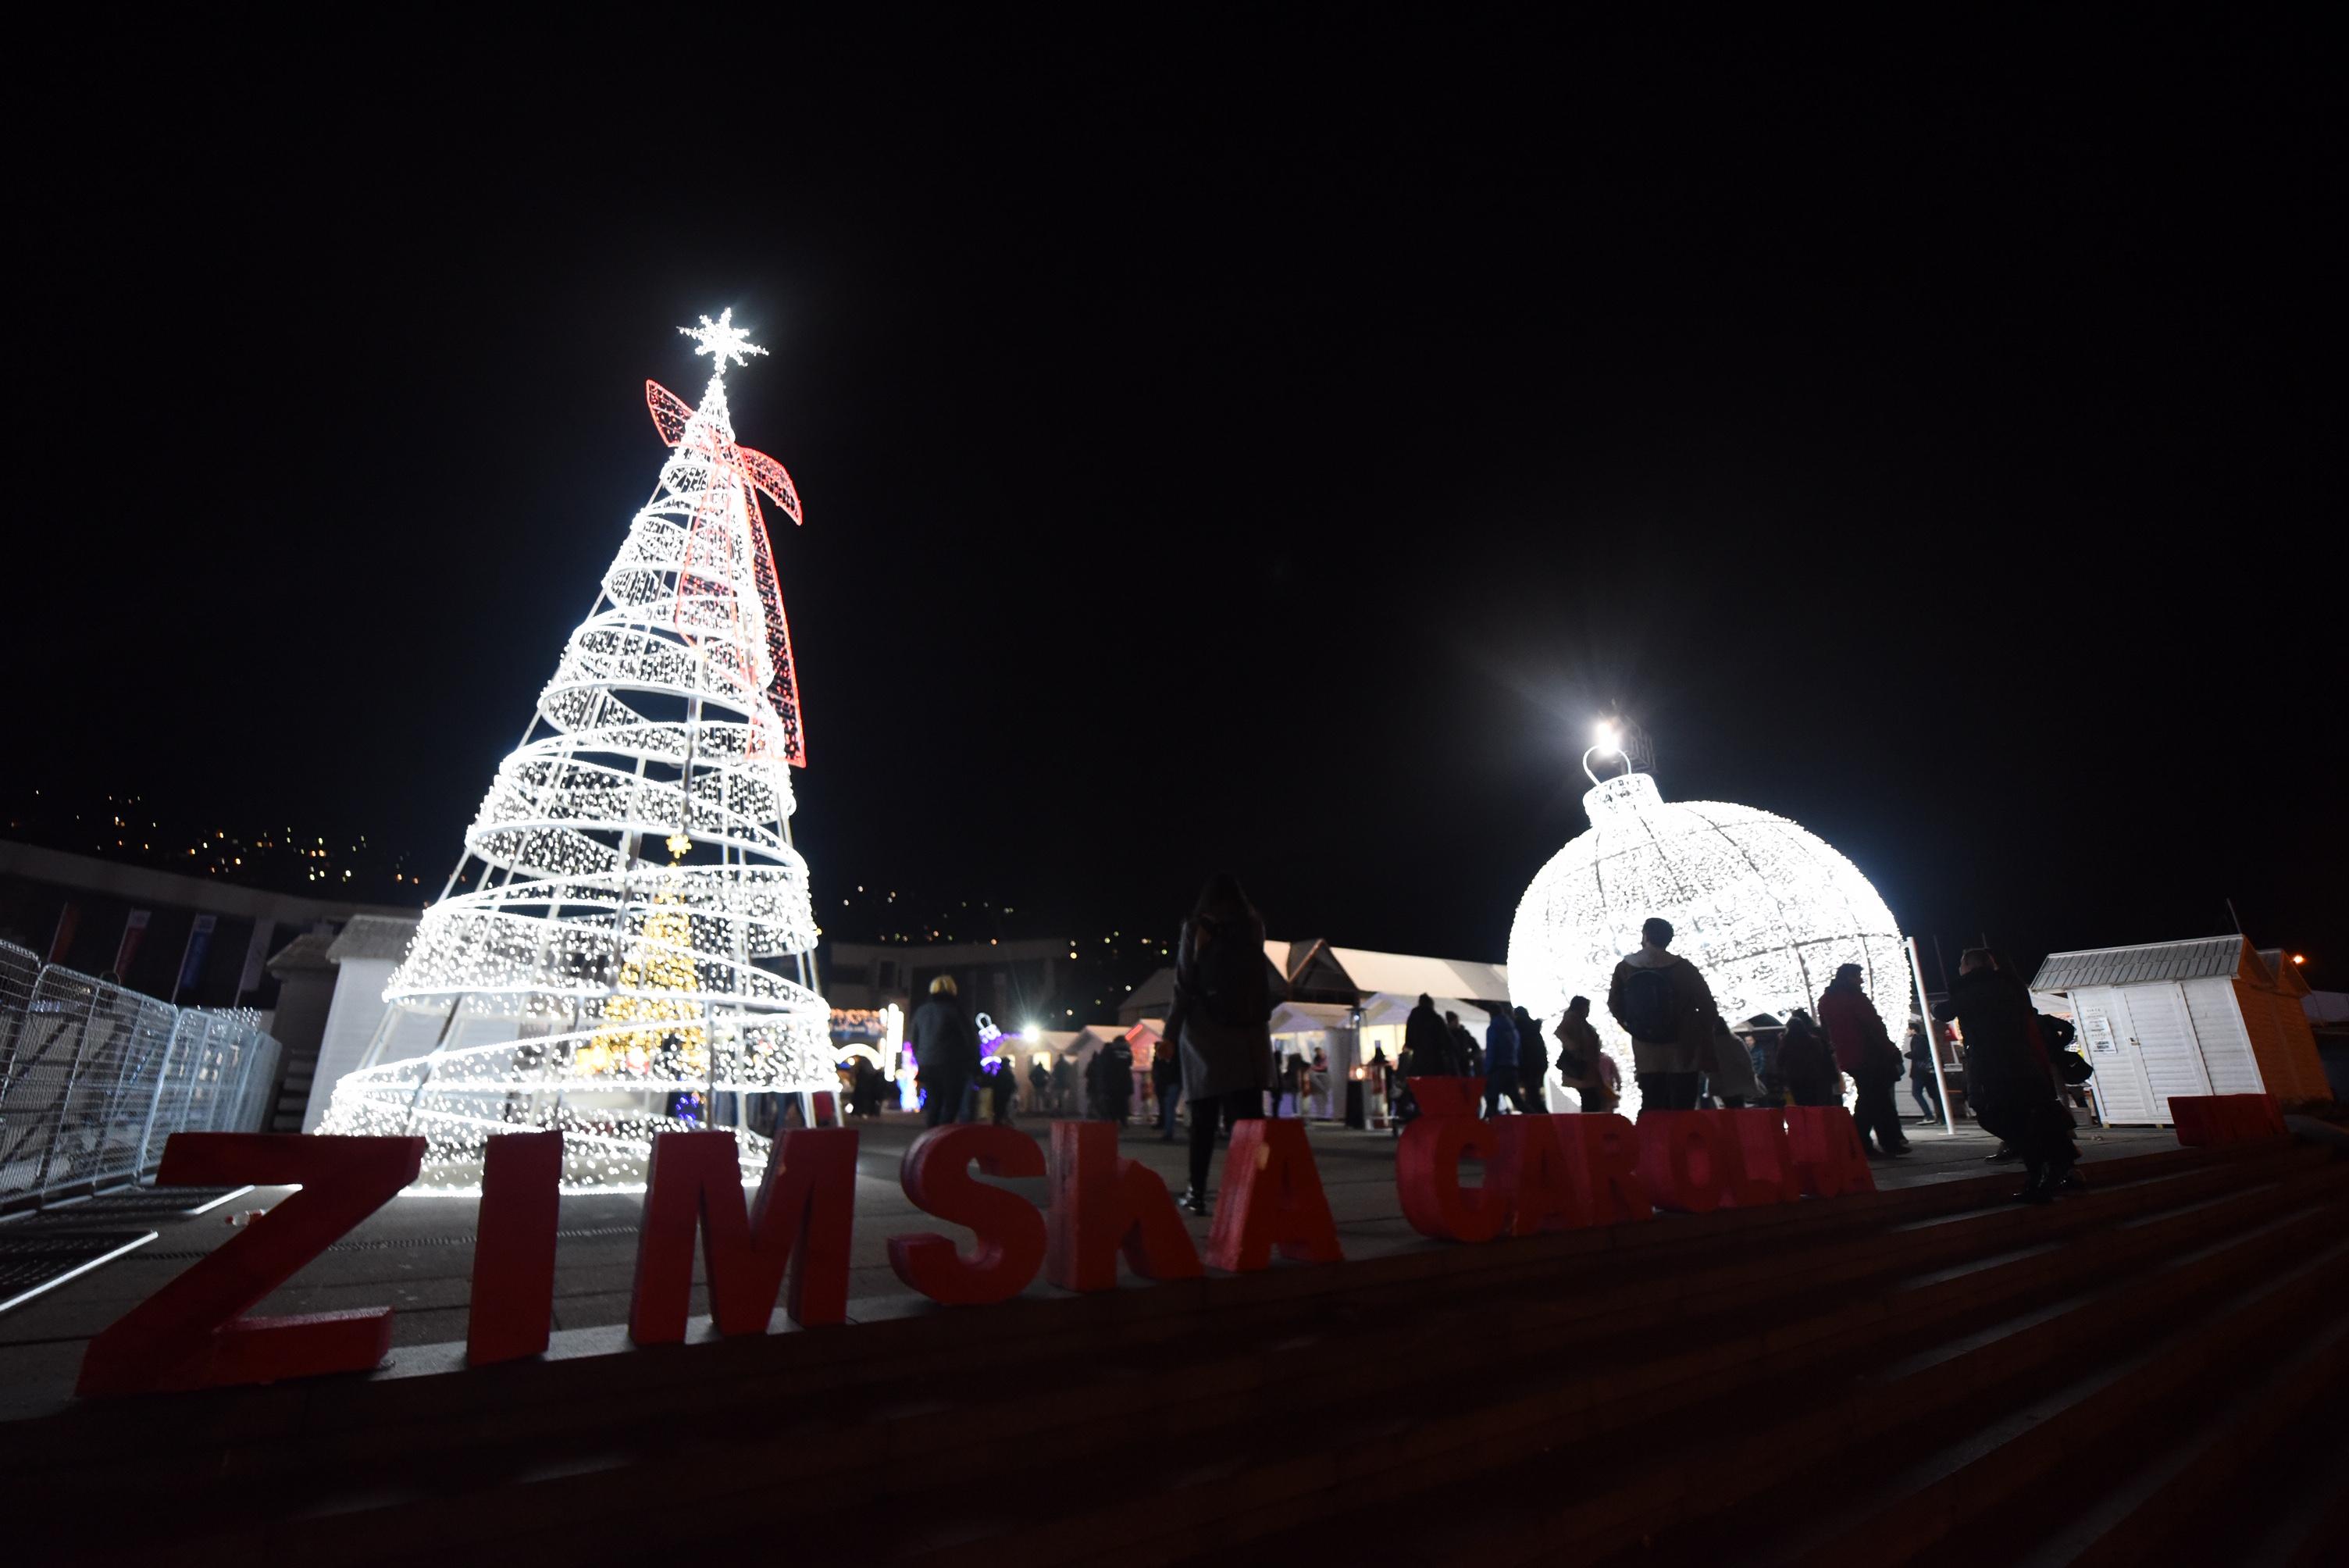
1215	1065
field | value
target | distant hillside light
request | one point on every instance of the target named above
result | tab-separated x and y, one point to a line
1766	910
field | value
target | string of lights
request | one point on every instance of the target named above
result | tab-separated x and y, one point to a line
1764	908
582	982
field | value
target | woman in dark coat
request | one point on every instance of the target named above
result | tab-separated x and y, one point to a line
1222	1004
2010	1085
1806	1062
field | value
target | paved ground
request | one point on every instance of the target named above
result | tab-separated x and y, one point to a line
416	1255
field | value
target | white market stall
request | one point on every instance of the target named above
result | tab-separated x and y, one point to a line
1300	1029
2195	1018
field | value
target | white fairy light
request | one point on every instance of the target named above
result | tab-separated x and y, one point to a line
578	982
722	340
1764	909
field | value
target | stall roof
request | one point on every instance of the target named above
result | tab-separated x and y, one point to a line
2195	959
1393	1007
1310	1017
1407	975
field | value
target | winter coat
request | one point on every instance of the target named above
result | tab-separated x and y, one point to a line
2007	1073
944	1041
1731	1070
1578	1051
1920	1055
1806	1065
1533	1052
1165	1069
1856	1030
1691	1044
1500	1047
1222	1003
1465	1050
1110	1076
1428	1043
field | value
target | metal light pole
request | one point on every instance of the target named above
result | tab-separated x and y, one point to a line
1933	1037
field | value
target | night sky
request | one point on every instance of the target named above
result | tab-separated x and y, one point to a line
1256	450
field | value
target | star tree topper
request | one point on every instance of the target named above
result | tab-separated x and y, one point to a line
722	340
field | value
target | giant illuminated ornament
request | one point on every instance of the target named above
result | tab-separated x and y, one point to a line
594	964
1764	908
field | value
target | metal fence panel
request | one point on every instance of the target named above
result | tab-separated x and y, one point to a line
228	1097
39	1075
178	1082
94	1079
105	1110
203	1089
252	1112
19	969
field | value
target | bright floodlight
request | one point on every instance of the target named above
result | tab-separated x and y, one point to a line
1032	1034
1605	735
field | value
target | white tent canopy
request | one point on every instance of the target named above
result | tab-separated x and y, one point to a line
1311	1018
1393	1007
1408	975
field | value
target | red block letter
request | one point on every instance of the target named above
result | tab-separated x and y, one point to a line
513	1247
1762	1168
1683	1160
1827	1154
1271	1197
1427	1176
189	1333
1447	1096
1603	1153
936	1176
799	1232
1101	1202
2247	1118
1535	1177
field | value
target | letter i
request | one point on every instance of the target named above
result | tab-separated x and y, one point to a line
513	1247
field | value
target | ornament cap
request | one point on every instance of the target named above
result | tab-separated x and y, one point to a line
1625	795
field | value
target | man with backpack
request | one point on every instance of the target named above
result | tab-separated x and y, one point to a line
1664	1005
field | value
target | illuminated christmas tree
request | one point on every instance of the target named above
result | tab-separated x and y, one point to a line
605	958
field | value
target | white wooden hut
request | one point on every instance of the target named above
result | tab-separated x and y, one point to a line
2203	1017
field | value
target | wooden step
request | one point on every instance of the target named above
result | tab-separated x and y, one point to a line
870	1415
2036	1438
1297	1445
1678	1478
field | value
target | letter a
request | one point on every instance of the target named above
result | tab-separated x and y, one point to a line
1535	1176
1826	1150
1271	1197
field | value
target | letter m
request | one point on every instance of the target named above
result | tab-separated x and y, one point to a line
799	1231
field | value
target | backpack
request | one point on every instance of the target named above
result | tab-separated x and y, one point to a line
1650	1011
